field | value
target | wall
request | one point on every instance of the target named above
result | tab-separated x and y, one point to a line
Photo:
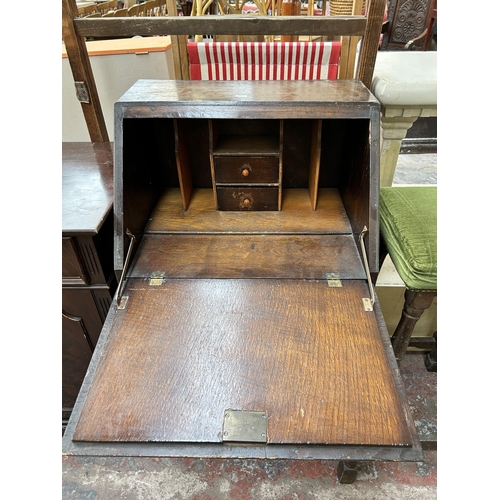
117	65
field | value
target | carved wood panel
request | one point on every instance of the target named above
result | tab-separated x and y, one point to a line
407	20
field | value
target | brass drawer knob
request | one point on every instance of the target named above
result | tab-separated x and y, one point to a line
247	202
245	172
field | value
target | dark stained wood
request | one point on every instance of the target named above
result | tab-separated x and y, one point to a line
80	318
248	256
246	169
248	99
87	186
359	192
415	304
247	145
76	354
202	346
183	163
221	25
247	198
87	257
82	72
296	215
73	271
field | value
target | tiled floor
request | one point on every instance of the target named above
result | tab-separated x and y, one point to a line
416	169
203	479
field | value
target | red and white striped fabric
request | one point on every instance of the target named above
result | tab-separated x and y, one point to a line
263	60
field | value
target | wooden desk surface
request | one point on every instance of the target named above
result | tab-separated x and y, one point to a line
87	186
182	353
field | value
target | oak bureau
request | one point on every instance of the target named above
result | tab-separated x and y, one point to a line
245	323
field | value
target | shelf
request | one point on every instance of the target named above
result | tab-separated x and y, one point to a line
296	216
247	145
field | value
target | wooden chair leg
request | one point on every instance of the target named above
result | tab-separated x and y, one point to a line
415	304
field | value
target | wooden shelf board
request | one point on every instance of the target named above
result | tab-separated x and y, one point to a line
296	216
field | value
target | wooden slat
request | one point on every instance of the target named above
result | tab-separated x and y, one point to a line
221	25
296	215
183	164
82	72
248	256
182	353
179	47
369	47
314	165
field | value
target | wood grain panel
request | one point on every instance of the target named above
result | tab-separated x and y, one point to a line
296	215
248	99
221	25
248	256
183	352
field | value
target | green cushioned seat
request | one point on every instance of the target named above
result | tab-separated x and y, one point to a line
408	224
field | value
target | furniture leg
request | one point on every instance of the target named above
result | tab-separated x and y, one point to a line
431	358
394	130
415	304
347	472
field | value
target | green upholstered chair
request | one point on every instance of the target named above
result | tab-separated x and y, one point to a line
408	226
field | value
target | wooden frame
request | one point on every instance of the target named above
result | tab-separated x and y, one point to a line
75	30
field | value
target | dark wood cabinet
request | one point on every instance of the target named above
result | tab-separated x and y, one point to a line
88	280
245	330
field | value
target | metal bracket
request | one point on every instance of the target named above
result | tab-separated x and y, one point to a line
243	426
156	278
82	92
333	280
119	300
367	303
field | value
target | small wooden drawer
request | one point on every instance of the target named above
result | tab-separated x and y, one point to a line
246	169
247	199
73	269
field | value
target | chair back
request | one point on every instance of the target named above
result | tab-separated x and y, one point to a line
263	60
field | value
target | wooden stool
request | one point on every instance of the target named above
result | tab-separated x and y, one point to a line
408	225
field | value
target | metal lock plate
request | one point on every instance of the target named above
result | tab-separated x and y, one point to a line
242	426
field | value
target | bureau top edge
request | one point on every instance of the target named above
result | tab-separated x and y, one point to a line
248	93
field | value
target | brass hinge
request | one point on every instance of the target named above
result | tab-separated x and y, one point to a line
156	278
82	92
333	280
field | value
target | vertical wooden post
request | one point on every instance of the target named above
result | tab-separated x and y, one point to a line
179	47
82	72
369	45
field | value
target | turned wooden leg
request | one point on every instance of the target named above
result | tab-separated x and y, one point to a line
415	304
347	472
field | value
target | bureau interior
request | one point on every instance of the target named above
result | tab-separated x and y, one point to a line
170	180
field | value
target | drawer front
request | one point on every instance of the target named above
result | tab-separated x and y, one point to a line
245	169
247	199
73	269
